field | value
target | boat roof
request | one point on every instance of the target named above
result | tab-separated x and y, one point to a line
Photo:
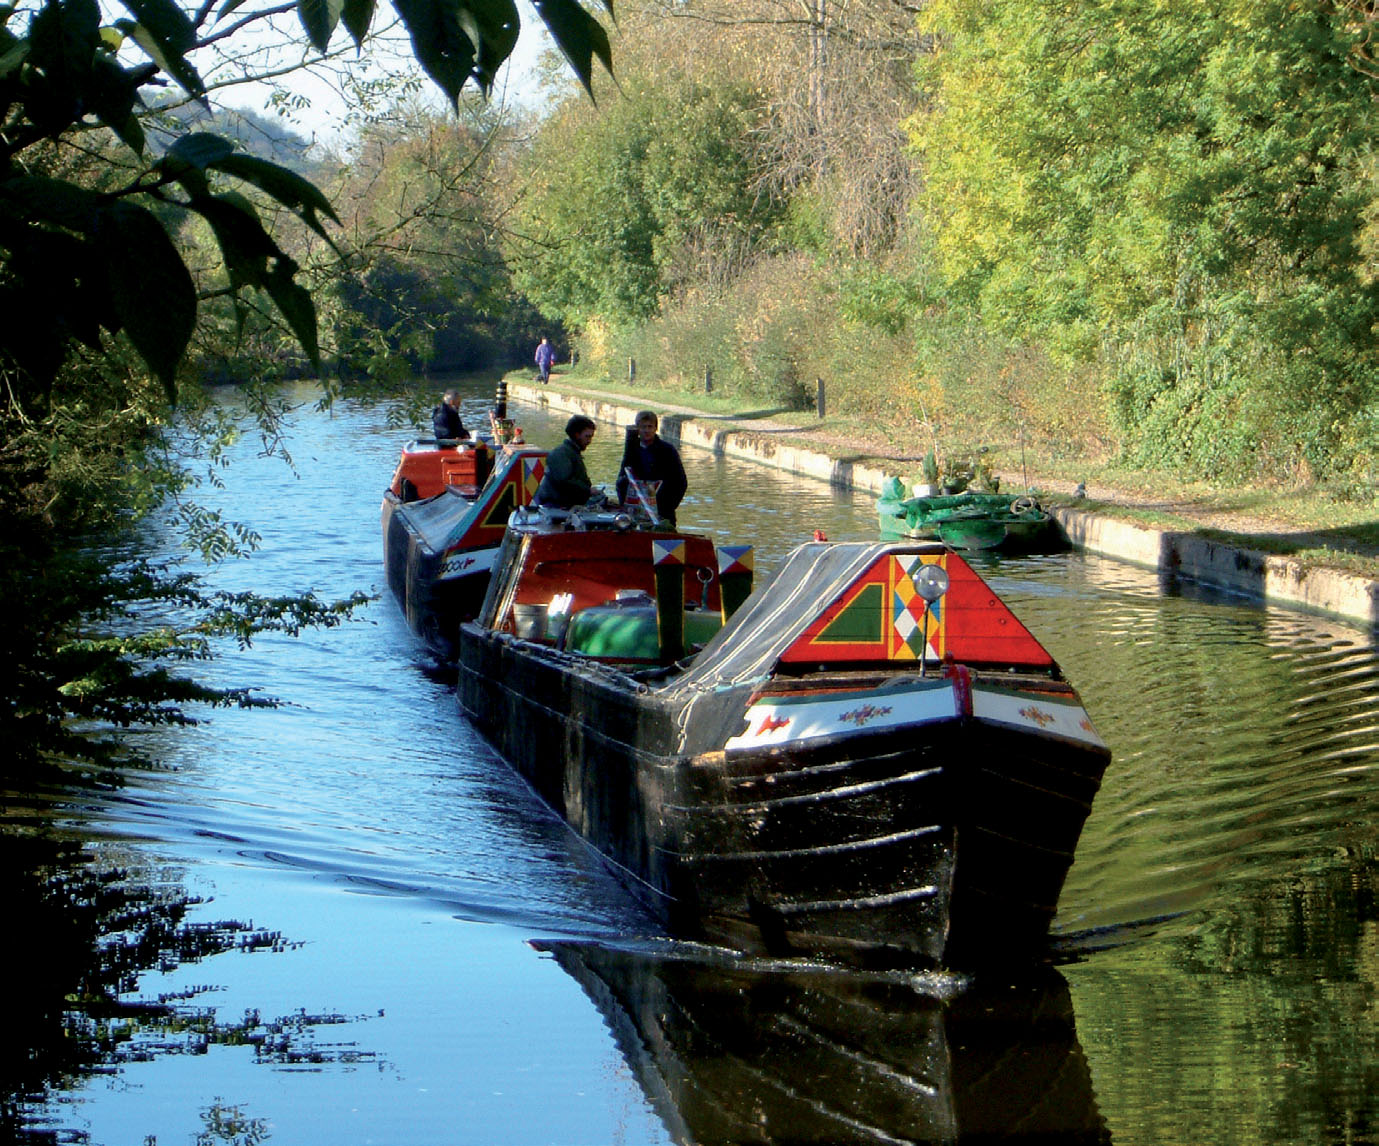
872	615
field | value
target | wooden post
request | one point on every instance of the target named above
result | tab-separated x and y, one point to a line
631	369
668	557
708	379
819	398
735	566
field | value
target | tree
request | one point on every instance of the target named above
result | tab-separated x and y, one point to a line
79	264
420	204
97	305
1180	191
623	204
840	78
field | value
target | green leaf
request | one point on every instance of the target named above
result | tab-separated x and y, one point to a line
244	245
294	302
149	285
38	199
63	38
201	148
319	18
13	56
187	159
440	43
493	28
113	96
167	60
31	334
287	187
253	259
166	35
165	22
578	35
357	15
53	299
89	307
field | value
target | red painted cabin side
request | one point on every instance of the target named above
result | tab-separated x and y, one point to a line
426	468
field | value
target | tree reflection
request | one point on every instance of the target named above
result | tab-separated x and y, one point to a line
83	930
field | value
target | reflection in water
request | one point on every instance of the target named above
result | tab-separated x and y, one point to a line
84	926
1223	907
747	1052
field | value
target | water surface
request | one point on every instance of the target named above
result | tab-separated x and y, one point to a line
347	921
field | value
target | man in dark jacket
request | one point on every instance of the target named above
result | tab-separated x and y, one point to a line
566	482
651	458
445	419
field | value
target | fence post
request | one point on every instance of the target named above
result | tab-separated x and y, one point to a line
819	399
631	369
708	379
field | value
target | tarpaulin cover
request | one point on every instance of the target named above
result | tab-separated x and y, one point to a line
841	605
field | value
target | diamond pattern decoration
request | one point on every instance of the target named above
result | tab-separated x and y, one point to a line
911	620
533	470
668	551
736	559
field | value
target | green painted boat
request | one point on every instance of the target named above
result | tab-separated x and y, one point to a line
968	520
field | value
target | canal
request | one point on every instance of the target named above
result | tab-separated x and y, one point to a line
345	920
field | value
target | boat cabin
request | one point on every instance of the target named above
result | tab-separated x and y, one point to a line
593	583
429	466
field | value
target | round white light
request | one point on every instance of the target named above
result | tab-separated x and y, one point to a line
931	582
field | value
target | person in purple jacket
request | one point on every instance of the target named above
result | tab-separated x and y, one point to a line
545	358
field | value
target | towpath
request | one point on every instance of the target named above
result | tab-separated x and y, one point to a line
1183	536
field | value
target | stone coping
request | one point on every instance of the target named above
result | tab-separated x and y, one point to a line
1247	572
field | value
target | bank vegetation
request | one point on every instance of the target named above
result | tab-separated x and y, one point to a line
1142	235
1137	236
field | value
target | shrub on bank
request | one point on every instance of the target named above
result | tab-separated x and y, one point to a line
934	379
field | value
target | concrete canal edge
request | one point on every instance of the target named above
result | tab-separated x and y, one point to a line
1248	572
1185	555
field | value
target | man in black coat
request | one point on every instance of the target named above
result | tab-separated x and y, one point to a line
445	419
651	458
566	482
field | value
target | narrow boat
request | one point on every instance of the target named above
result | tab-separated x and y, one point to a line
968	520
443	518
869	759
746	1052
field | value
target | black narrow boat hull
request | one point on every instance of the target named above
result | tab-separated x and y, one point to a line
434	593
439	550
945	842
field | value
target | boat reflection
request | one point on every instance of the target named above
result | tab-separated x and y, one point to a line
755	1052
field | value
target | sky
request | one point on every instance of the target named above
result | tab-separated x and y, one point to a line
322	112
